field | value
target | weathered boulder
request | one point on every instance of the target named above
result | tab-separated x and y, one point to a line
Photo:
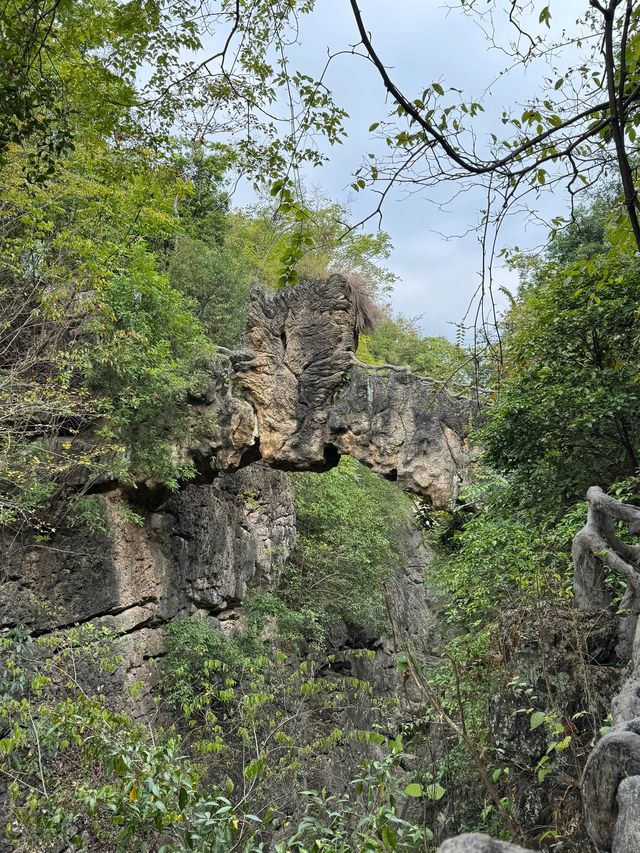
476	842
626	835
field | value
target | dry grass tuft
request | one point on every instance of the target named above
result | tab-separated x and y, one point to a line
368	314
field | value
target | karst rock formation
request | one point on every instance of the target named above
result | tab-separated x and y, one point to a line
292	397
296	397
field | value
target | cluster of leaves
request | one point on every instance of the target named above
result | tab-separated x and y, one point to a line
366	818
567	416
93	334
564	420
80	773
286	238
260	714
117	262
347	521
398	340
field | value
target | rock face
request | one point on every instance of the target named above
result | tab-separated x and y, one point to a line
197	555
293	397
201	555
296	397
475	842
199	552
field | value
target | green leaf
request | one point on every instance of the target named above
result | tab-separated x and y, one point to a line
435	792
254	768
437	88
545	16
373	126
388	837
537	719
414	790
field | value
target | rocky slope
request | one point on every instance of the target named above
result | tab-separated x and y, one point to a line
293	398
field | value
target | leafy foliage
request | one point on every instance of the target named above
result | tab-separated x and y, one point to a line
566	417
81	773
115	268
347	543
399	341
311	238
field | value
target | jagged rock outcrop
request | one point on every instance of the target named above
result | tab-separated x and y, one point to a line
197	554
199	551
296	397
293	398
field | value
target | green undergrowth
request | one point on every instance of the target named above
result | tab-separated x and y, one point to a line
351	534
81	773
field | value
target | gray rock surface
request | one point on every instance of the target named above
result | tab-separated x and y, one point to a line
197	555
476	842
626	835
615	757
199	551
292	397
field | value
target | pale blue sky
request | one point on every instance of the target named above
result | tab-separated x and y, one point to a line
423	42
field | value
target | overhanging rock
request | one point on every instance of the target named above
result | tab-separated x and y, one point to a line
296	397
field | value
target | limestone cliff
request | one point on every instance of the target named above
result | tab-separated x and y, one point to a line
293	398
197	554
296	397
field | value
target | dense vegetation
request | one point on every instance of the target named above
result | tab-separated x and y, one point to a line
124	267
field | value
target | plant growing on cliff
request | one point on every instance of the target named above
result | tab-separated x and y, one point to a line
78	772
263	719
347	548
367	817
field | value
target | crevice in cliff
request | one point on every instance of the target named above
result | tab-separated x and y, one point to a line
252	454
154	618
331	455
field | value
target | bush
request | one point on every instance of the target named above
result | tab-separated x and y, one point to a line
348	544
84	776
